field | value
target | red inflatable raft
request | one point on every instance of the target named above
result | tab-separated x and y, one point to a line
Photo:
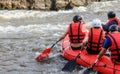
104	66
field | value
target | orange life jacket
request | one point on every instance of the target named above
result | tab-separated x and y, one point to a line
115	47
75	32
95	40
114	19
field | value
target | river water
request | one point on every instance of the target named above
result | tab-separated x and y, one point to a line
23	33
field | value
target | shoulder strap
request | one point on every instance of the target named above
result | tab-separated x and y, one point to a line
91	38
79	32
98	45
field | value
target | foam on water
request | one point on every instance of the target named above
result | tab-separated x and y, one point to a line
28	30
16	14
95	6
75	9
105	6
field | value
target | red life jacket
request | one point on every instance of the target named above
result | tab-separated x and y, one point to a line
95	40
114	19
75	32
115	47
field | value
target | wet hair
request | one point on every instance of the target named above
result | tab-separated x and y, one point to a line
77	18
113	28
111	14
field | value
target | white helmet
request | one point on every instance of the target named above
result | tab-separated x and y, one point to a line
96	23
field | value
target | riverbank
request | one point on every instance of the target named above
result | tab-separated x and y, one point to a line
44	4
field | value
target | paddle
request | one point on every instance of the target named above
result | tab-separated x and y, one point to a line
44	54
70	65
88	70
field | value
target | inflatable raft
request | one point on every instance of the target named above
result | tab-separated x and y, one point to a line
104	66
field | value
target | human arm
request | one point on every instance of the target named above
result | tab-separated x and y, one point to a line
82	20
86	38
63	36
102	52
106	45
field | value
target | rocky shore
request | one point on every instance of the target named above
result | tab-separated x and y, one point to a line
42	4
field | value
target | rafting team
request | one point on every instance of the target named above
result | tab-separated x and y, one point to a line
98	39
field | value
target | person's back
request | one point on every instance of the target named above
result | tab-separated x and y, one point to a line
114	37
112	42
75	32
112	20
95	37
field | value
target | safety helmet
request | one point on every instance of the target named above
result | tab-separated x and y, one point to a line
111	14
96	23
77	18
113	28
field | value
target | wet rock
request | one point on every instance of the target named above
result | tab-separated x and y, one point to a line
42	4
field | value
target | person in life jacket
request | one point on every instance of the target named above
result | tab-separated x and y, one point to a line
94	38
112	20
75	32
112	42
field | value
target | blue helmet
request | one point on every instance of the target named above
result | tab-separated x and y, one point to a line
77	18
111	14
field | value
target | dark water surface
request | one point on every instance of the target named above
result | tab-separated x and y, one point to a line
23	33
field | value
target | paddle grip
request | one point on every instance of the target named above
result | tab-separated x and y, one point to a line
94	63
96	60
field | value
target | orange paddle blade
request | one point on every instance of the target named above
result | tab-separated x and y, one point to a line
43	55
46	51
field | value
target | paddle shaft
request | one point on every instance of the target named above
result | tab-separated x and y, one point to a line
95	62
77	56
54	44
79	53
87	71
